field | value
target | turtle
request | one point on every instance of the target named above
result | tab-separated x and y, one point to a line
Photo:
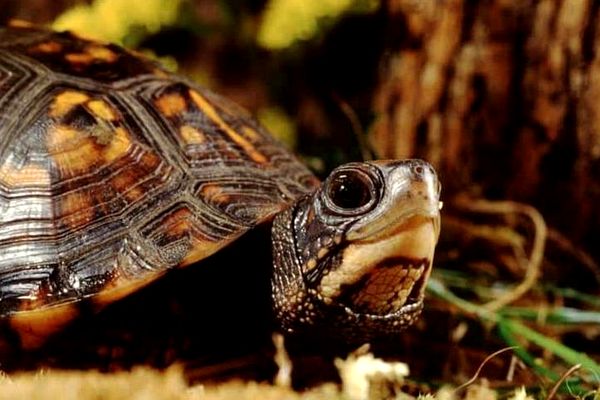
115	171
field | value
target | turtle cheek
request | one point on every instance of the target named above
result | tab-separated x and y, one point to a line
321	257
315	240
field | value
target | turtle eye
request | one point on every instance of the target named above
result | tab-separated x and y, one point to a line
350	189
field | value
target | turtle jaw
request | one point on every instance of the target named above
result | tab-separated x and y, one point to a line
309	313
384	277
403	295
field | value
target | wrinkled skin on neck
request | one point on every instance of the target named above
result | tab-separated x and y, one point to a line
352	259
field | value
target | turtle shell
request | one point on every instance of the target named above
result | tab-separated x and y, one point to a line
113	170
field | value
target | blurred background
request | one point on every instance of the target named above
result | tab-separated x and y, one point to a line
499	95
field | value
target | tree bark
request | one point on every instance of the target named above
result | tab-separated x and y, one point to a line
503	97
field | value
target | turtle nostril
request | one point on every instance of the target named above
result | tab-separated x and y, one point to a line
422	171
419	171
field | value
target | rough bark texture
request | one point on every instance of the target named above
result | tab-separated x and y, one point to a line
503	97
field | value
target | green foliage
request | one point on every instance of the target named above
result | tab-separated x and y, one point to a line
516	333
116	20
287	21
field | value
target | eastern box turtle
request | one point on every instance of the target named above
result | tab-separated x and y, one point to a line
114	171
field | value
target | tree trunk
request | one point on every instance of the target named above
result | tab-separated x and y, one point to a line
503	97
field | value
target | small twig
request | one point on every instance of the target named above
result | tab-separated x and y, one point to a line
533	266
510	374
488	358
560	381
357	128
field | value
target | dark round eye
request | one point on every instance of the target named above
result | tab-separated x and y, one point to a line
350	190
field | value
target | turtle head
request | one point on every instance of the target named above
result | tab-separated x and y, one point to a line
353	258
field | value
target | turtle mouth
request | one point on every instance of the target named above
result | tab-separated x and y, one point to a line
403	220
394	288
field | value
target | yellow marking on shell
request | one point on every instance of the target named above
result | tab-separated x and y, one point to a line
92	53
251	133
118	146
171	104
77	208
79	58
47	47
65	101
119	288
72	149
210	111
214	193
102	53
101	110
102	132
191	135
61	137
76	150
35	326
200	249
27	175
